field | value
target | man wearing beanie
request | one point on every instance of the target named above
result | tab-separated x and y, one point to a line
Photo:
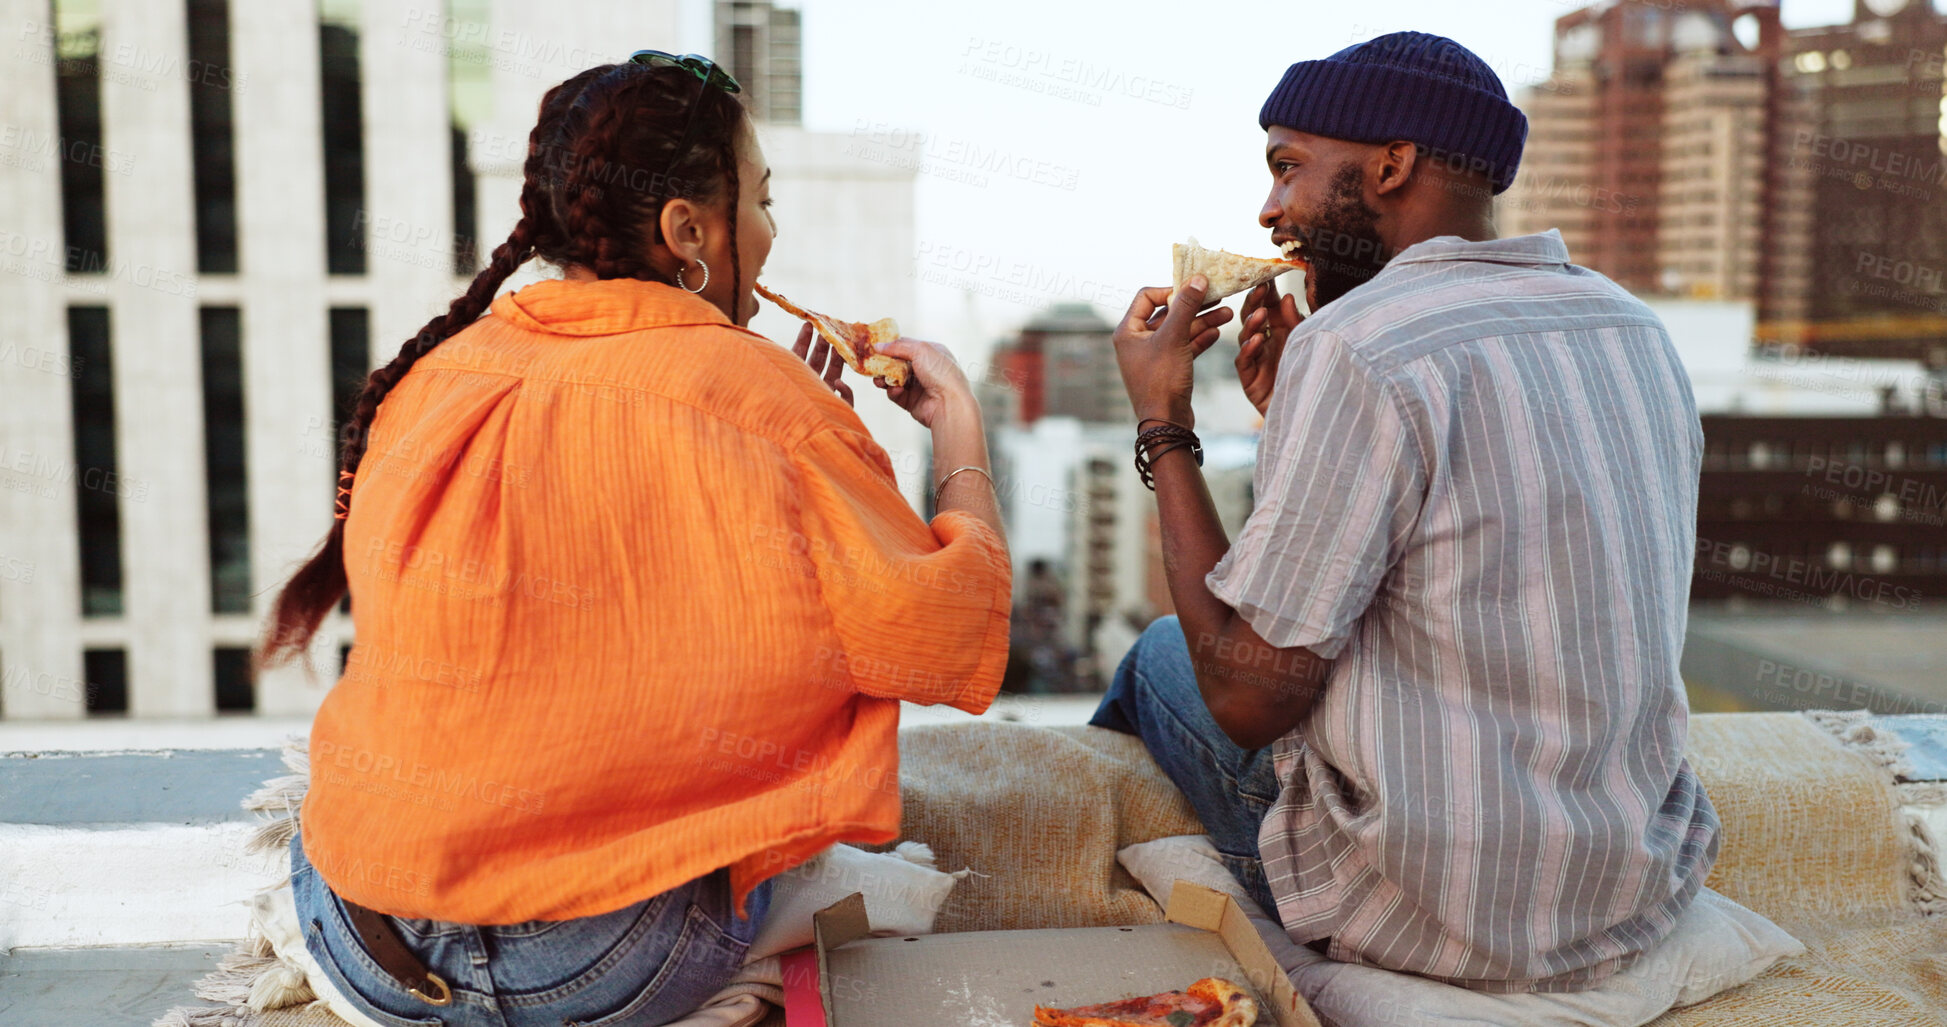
1427	705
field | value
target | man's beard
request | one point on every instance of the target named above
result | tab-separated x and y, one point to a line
1342	246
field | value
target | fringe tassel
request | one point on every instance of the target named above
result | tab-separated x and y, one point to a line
1926	887
184	1016
281	798
1850	727
1929	891
251	978
917	853
1919	798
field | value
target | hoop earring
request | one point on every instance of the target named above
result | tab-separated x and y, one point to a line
706	278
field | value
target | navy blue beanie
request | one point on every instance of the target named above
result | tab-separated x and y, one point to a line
1421	88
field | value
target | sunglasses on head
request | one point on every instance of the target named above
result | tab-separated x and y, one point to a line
694	63
706	70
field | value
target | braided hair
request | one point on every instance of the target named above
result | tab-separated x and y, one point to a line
601	164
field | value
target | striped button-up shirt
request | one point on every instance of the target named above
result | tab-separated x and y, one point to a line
1477	494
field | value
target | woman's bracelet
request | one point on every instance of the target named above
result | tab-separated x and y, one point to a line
941	487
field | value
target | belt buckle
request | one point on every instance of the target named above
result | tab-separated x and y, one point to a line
445	994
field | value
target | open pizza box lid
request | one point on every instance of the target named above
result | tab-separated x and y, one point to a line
996	978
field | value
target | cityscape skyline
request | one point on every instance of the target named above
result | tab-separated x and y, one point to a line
409	122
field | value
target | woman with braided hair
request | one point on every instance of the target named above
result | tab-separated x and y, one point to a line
636	596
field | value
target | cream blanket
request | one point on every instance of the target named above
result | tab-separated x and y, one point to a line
1815	839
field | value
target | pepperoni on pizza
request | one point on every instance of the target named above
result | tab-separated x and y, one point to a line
1211	1002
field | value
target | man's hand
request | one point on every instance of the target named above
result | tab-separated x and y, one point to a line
1268	321
1155	345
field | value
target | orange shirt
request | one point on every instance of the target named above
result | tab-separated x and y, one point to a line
635	599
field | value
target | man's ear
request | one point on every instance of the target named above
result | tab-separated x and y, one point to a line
1394	163
682	228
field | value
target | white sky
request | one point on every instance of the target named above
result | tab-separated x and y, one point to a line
1144	174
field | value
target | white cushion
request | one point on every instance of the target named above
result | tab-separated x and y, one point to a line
903	894
1717	945
274	912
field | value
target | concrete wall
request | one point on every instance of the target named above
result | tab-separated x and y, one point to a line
40	575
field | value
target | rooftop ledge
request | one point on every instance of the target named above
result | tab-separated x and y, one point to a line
128	867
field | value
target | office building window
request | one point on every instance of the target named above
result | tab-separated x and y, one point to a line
469	69
351	361
98	489
223	451
77	88
344	138
212	149
743	52
236	689
107	674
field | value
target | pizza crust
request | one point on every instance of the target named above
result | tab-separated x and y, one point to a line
1240	1009
878	365
1228	273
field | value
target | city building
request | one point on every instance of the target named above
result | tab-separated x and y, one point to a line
760	43
1078	516
1712	175
1652	146
1783	189
215	218
1875	156
1828	513
1062	364
1705	151
1554	187
1729	376
1075	511
1824	481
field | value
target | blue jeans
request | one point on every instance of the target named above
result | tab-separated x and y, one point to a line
1154	696
643	965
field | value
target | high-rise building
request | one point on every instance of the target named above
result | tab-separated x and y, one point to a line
1650	146
215	218
1063	365
762	45
1712	171
1804	170
1555	186
1875	154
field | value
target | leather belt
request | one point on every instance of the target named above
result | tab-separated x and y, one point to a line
375	930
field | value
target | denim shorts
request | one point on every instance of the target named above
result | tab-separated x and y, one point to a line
641	966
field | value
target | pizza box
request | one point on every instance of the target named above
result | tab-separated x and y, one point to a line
996	978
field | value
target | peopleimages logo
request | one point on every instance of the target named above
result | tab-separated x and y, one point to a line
1768	574
46	260
1065	77
419	782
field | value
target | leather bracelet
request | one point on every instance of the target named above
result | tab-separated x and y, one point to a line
1156	441
941	487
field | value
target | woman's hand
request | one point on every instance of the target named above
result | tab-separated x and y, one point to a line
823	361
1268	321
935	387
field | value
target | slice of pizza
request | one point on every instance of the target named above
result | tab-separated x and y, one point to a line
852	340
1211	1002
1229	273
